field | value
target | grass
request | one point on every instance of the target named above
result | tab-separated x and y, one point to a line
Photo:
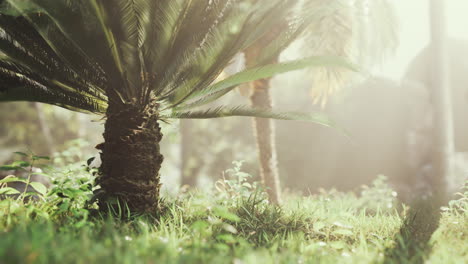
230	223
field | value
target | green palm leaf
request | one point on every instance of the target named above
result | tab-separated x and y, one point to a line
219	89
87	53
363	31
18	84
224	111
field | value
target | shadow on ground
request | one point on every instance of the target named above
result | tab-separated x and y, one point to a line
412	242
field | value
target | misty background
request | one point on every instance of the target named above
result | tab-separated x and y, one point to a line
386	114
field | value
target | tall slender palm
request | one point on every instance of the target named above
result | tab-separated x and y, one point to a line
264	129
138	62
443	147
336	27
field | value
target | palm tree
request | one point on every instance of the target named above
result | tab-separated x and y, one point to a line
138	62
335	28
443	147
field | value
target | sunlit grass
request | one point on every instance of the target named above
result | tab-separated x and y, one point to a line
232	223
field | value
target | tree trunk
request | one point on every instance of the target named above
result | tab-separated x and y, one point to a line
264	129
443	146
131	159
188	174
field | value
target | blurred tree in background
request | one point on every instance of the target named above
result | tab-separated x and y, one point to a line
363	31
226	140
42	129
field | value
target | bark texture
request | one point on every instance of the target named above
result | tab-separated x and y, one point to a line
131	158
264	129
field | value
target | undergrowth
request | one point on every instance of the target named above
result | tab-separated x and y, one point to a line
231	223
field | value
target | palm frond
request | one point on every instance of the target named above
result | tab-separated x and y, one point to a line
246	111
215	91
224	111
63	29
363	31
136	51
20	84
23	45
234	31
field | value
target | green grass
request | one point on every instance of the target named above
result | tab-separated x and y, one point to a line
228	223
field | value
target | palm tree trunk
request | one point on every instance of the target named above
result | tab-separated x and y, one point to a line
443	147
188	175
131	158
264	131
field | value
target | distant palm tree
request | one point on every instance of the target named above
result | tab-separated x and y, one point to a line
138	62
362	30
441	97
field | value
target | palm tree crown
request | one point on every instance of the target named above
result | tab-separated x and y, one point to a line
83	54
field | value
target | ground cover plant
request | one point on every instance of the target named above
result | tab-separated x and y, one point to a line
230	222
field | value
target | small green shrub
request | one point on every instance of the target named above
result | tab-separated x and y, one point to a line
232	222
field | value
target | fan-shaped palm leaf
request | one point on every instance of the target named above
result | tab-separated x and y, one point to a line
363	31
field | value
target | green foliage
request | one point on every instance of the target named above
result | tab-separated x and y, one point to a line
223	140
379	196
225	225
363	31
26	166
82	55
72	154
69	196
21	129
453	226
460	205
235	185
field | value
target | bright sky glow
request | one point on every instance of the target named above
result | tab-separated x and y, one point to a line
414	31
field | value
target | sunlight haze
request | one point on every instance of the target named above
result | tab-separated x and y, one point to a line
413	19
